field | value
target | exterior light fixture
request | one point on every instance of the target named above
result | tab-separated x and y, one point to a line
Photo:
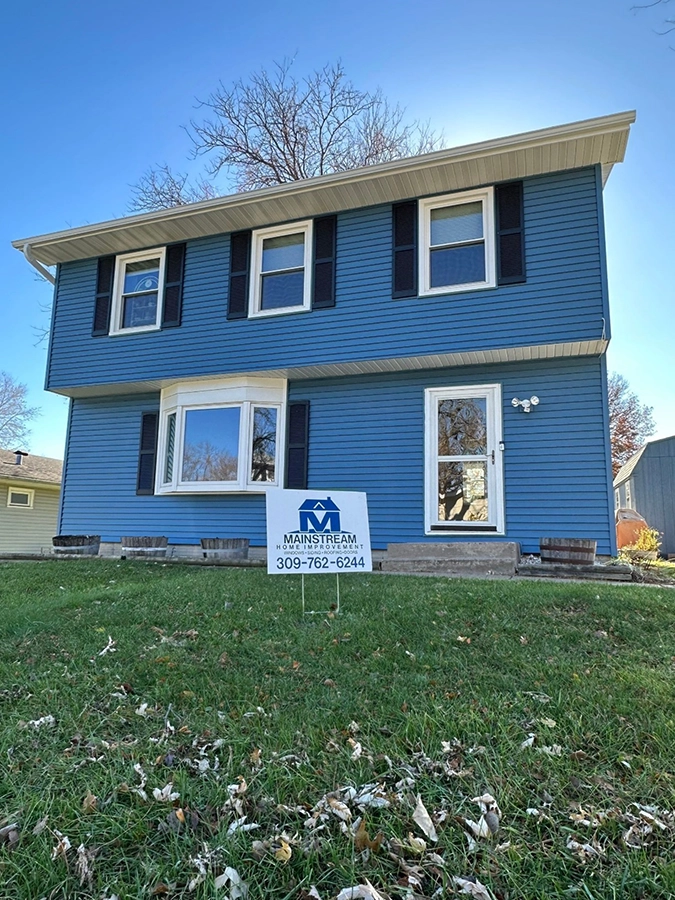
526	404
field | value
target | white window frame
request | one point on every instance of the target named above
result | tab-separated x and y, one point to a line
486	197
617	498
29	493
255	293
245	393
117	310
629	499
495	468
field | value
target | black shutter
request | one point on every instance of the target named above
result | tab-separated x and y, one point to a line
323	295
104	289
240	262
173	285
404	227
510	233
297	445
147	453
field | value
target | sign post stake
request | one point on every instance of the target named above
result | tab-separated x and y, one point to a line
321	612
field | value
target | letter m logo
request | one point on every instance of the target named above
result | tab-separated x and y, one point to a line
319	516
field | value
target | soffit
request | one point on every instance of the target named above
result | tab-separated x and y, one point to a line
600	141
361	367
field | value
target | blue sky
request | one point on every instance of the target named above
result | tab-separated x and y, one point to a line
92	95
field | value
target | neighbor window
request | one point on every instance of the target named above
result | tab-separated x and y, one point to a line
137	292
281	260
20	499
457	250
221	437
464	489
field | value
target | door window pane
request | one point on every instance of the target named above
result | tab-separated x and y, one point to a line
462	427
264	443
462	492
211	448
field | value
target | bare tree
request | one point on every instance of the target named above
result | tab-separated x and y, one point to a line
14	413
275	129
161	188
630	422
668	24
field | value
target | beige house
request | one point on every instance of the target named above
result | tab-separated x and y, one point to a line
29	502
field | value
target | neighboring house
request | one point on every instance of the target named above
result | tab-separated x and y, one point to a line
646	483
368	330
29	502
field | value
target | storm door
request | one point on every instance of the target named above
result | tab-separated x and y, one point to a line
464	484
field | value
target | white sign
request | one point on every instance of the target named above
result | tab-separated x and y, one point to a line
317	531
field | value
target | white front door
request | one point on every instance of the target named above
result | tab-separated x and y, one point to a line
464	474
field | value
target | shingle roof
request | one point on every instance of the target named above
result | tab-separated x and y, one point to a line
33	468
626	469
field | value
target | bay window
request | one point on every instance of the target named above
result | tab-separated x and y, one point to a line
221	436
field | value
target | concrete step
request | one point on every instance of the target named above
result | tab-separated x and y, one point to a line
466	558
595	572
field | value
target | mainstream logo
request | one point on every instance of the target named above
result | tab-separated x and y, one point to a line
320	524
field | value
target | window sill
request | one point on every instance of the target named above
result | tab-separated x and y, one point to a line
458	289
144	330
472	529
286	311
207	488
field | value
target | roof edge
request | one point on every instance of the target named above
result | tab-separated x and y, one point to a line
524	140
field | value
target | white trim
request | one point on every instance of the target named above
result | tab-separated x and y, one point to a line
486	197
495	470
304	228
28	492
514	157
244	393
117	309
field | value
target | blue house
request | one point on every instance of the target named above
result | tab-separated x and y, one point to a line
382	330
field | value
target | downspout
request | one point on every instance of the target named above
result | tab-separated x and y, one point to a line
27	252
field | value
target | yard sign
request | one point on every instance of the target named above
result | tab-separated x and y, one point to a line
317	532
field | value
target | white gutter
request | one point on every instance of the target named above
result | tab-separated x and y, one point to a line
37	265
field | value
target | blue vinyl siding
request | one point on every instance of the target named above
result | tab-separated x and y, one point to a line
563	300
367	433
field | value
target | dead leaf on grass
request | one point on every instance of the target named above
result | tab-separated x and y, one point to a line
41	825
9	836
473	887
284	852
62	847
362	839
238	888
423	820
360	892
89	803
84	865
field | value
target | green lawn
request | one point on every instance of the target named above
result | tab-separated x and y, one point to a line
215	688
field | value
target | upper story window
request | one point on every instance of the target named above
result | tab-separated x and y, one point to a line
20	499
138	292
457	246
138	287
221	436
281	267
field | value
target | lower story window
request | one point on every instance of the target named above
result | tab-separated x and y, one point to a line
20	499
464	484
223	436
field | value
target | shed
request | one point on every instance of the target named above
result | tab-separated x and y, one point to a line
646	483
